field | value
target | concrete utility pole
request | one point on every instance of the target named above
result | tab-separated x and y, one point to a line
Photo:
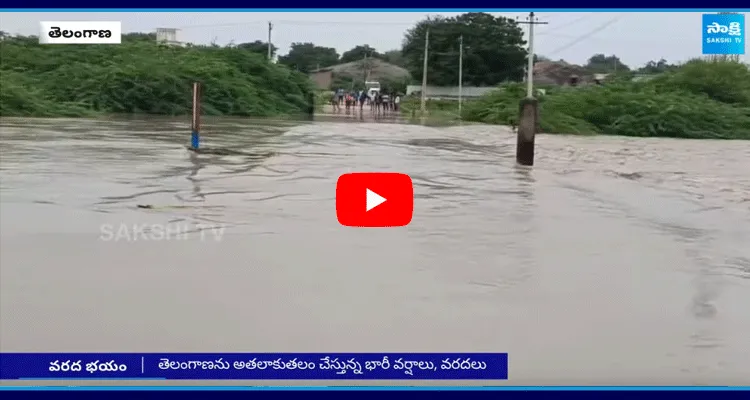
528	119
530	69
365	69
270	28
424	72
460	73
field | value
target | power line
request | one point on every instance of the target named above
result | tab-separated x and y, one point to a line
570	23
289	22
616	40
587	35
310	23
575	40
550	16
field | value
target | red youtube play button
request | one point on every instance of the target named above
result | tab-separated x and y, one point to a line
374	199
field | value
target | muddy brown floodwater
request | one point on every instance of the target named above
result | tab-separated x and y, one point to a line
612	261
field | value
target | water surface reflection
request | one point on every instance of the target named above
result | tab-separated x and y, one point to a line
612	261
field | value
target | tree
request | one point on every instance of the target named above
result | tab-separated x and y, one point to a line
657	67
601	64
359	53
305	57
259	47
493	50
139	37
394	57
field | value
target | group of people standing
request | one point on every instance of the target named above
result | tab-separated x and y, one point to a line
377	101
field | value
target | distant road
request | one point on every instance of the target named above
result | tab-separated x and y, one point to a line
364	115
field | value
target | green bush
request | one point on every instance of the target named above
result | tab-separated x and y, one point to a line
726	82
20	96
144	77
699	100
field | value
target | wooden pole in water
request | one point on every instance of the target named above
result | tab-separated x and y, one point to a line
196	125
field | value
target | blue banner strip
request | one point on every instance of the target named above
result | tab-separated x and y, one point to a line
254	366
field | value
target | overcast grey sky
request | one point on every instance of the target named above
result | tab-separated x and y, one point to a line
635	37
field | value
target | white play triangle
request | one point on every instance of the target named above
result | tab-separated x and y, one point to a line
373	200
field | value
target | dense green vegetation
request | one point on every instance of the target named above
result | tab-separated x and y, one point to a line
140	76
701	99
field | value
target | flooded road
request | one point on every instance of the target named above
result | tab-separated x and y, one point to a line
614	261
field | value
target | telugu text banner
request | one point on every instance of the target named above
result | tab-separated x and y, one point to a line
255	366
80	32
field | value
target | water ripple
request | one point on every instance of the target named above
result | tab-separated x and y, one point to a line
644	239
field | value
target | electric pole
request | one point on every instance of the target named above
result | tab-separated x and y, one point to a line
424	72
365	70
460	73
270	28
530	68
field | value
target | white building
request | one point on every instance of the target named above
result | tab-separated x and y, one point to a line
168	36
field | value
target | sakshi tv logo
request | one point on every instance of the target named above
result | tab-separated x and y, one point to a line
724	34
